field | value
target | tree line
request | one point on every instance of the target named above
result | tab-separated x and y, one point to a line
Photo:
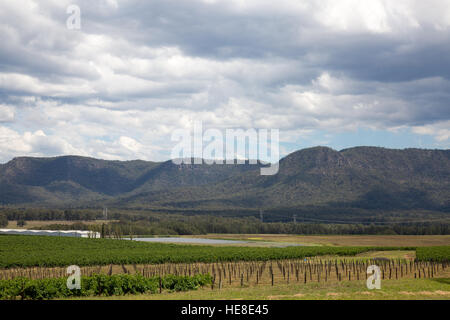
151	223
204	225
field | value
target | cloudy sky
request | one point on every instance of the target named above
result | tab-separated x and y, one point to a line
336	73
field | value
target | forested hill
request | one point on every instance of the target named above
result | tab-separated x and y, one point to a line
367	178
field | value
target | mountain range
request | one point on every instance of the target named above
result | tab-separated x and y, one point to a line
365	178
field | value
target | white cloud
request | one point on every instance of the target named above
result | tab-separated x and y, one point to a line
35	143
7	113
440	131
136	71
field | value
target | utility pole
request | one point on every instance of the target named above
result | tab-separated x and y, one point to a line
105	213
295	218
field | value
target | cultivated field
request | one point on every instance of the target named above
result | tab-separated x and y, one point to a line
28	251
310	272
313	278
340	240
402	289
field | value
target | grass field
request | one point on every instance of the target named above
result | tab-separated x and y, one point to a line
340	240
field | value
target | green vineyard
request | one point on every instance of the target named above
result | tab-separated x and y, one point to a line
437	254
44	251
34	267
97	285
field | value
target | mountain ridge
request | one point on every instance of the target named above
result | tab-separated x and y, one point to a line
370	178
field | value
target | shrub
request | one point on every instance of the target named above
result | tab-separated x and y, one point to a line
114	285
3	220
21	223
437	254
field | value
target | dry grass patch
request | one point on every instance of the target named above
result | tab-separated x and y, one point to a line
342	240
